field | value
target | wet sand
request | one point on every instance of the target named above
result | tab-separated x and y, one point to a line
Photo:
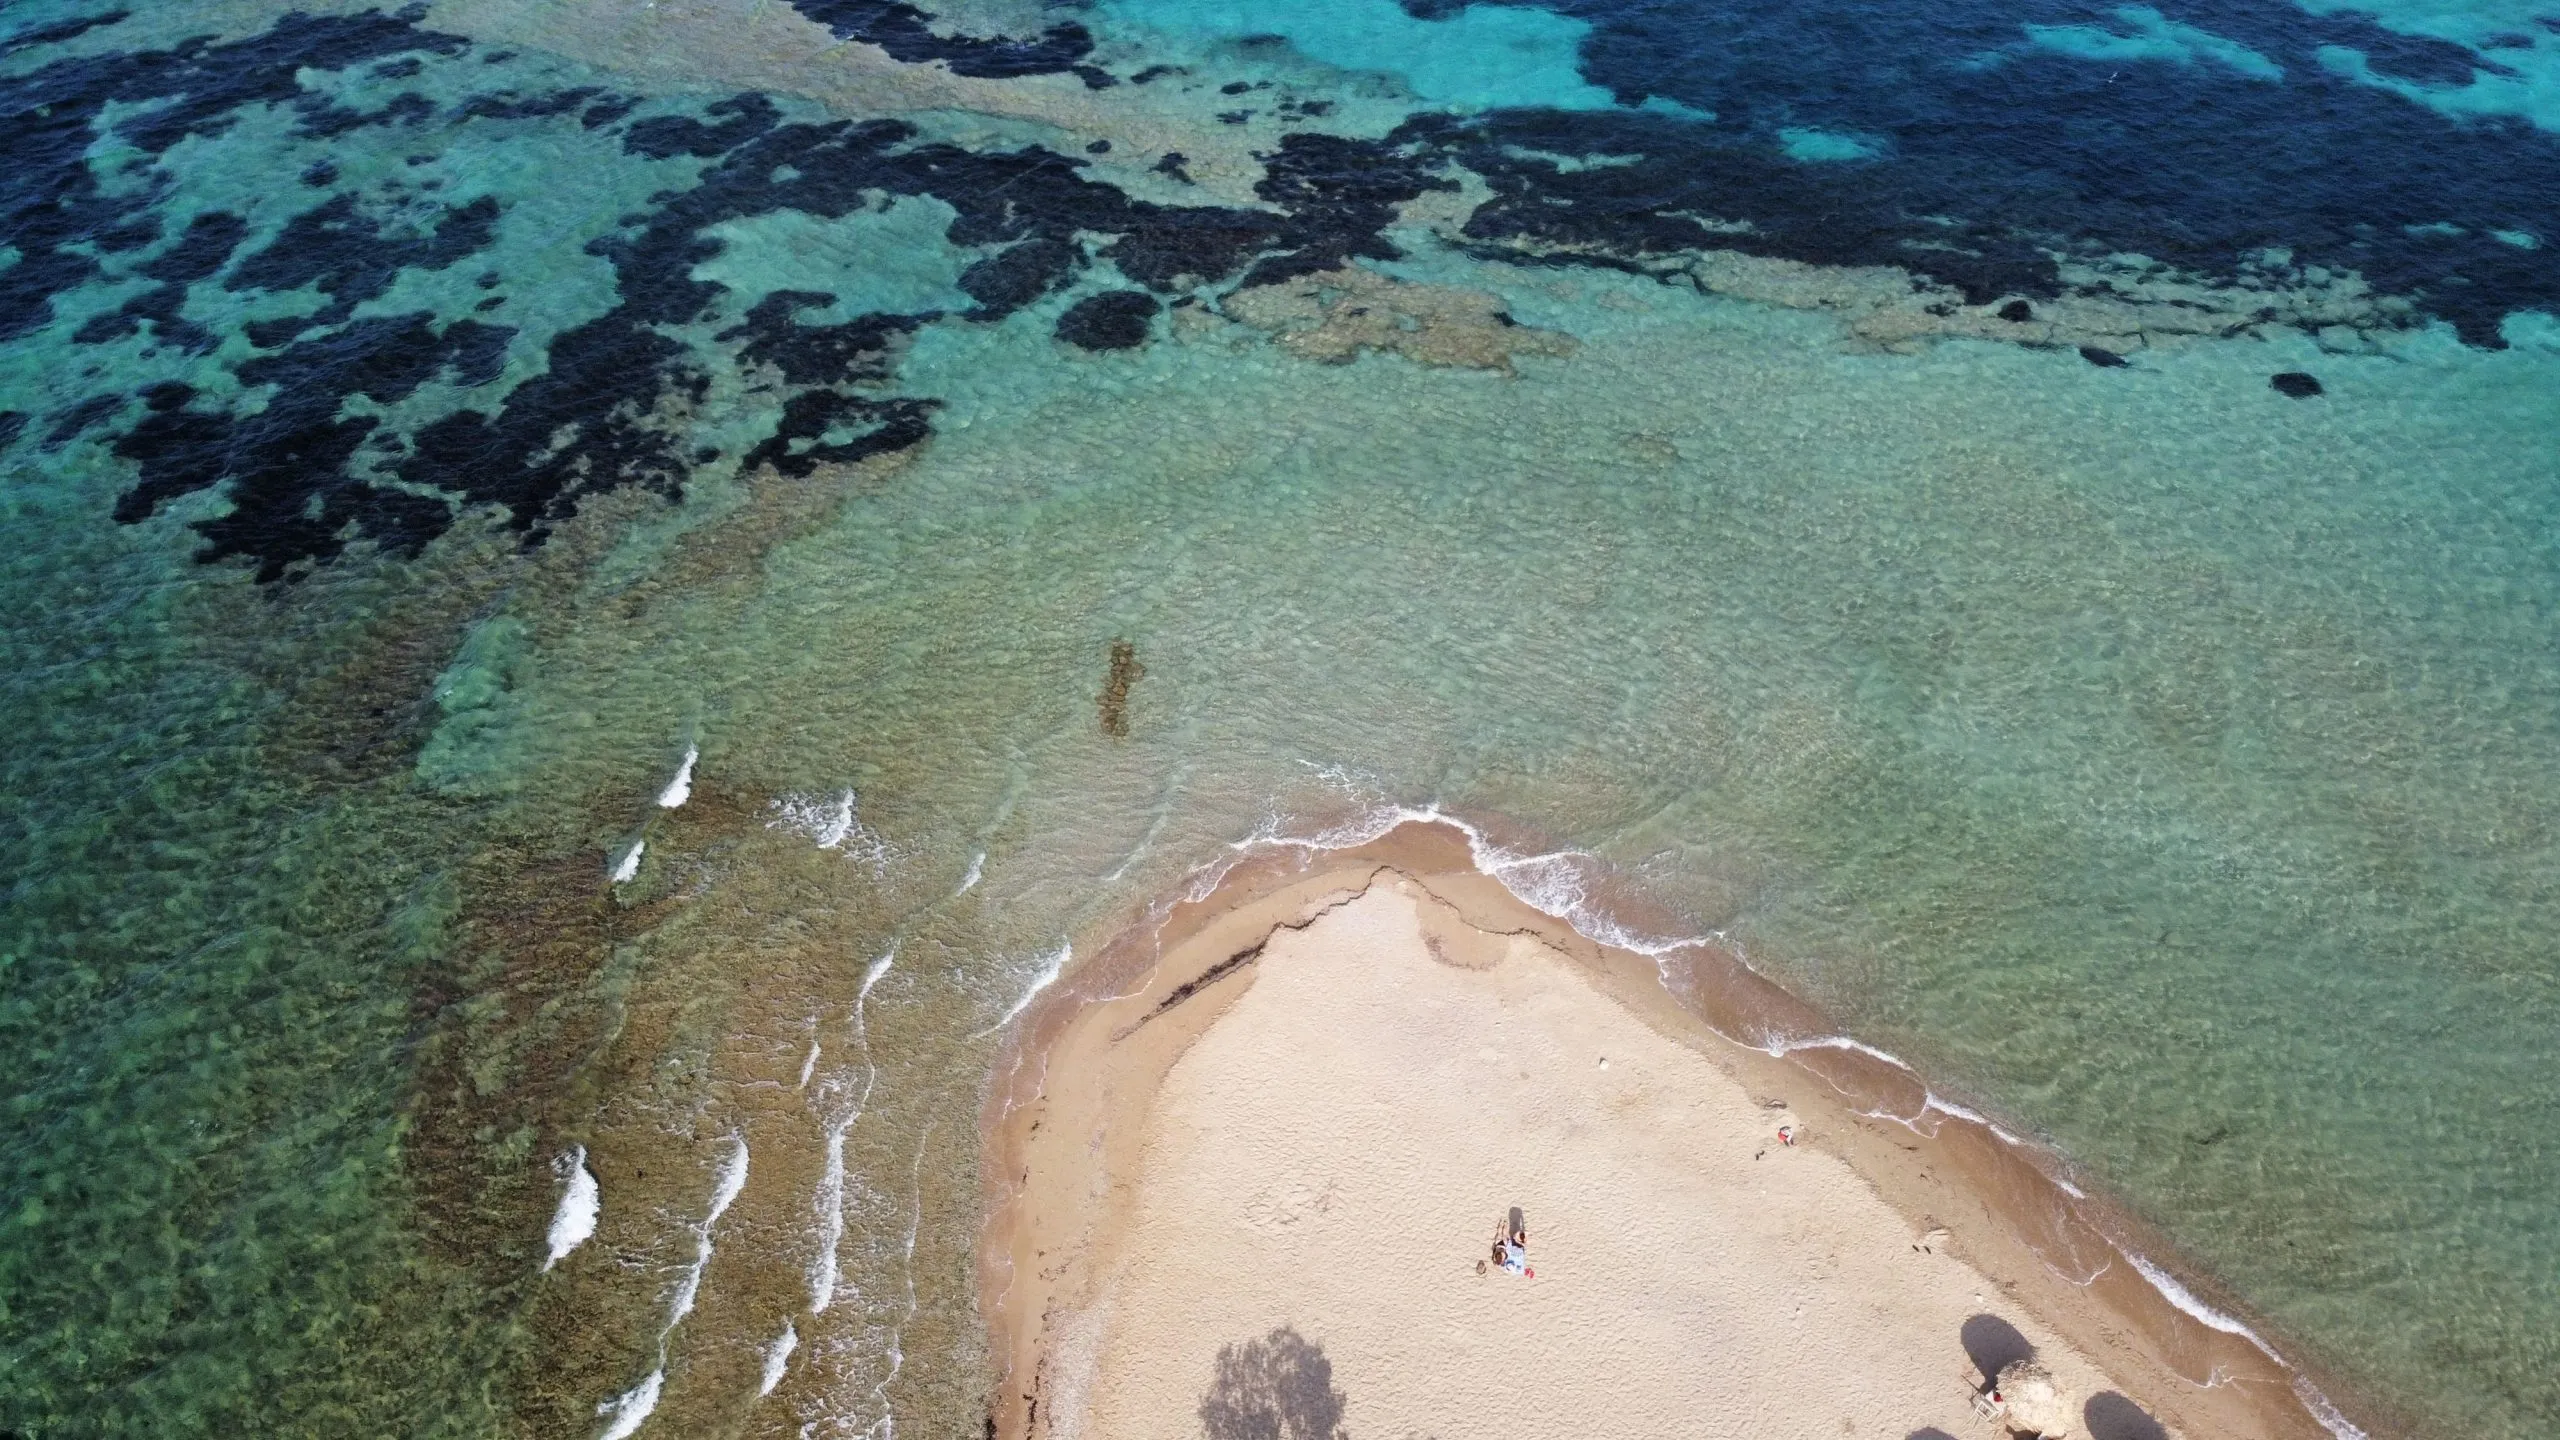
1250	1155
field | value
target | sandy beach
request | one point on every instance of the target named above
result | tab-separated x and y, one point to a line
1248	1194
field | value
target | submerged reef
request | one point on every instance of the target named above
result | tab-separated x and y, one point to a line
322	420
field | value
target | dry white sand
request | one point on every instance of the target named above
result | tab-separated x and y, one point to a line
1334	1154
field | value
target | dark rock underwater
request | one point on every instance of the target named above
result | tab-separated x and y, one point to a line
1994	168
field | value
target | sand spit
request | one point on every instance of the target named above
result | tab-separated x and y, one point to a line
1254	1148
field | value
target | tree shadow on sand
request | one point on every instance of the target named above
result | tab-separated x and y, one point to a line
2110	1416
1279	1387
1991	1343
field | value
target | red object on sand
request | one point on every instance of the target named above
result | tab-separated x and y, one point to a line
1526	1273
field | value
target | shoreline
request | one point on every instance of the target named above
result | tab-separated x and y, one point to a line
1065	1120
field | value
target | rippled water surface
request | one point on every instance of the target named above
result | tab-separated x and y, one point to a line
601	592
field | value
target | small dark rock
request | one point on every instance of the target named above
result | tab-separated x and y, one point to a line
1098	147
2103	359
1113	320
2017	312
1126	672
2296	384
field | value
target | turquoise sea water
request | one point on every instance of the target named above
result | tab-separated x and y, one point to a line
2159	760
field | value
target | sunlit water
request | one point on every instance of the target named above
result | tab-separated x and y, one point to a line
2158	760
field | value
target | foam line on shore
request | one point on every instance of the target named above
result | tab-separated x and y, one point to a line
2326	1413
2185	1299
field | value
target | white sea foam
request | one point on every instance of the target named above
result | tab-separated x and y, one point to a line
2324	1412
632	1407
680	789
808	1064
870	978
977	870
1944	1106
575	1221
1782	1048
630	863
1051	965
839	823
778	1358
832	822
733	1178
2179	1295
824	1274
830	1207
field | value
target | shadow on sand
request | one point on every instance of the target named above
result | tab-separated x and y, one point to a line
1279	1387
2110	1416
1993	1344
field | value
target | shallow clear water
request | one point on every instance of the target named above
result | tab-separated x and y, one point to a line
2157	760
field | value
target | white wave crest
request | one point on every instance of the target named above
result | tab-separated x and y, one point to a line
832	822
824	1274
733	1178
680	789
632	1407
870	978
830	1207
1051	966
574	1223
778	1359
630	863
